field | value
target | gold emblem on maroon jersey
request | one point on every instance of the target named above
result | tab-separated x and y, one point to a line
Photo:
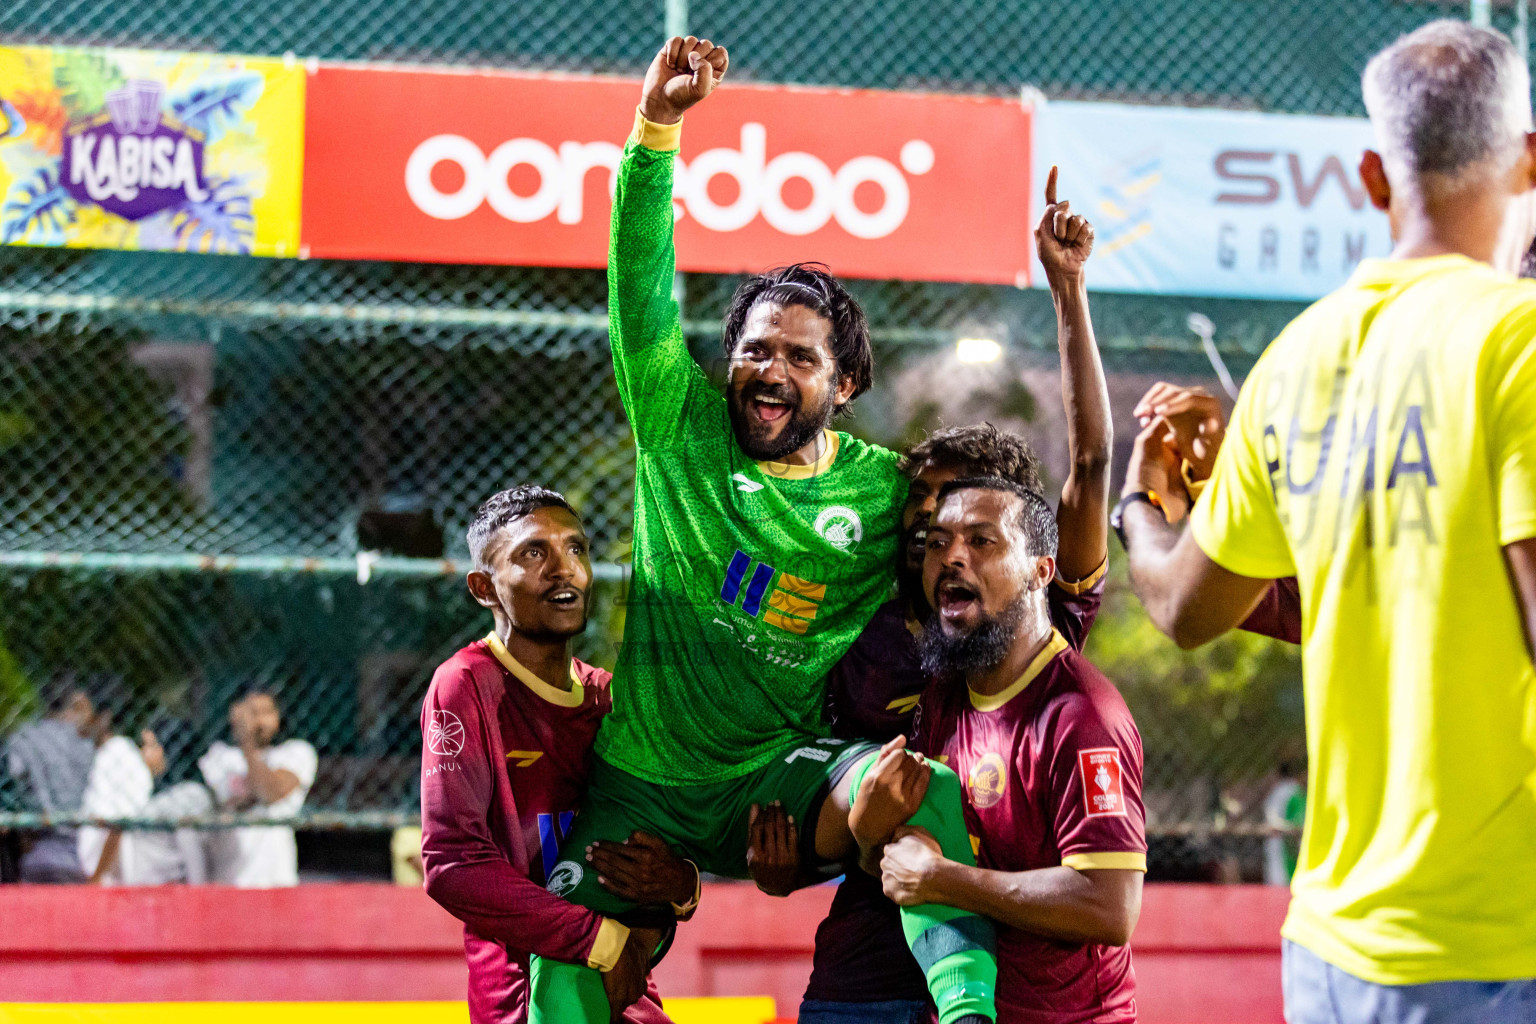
988	779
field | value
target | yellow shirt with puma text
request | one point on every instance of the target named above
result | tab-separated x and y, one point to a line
1383	451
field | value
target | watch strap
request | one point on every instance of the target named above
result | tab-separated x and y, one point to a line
1117	516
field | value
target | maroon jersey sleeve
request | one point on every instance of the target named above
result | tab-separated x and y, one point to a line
1095	777
1075	606
466	872
1278	613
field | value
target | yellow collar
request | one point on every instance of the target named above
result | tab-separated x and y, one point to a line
784	471
1053	647
571	698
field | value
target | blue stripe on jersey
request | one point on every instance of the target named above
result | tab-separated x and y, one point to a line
549	844
734	573
761	577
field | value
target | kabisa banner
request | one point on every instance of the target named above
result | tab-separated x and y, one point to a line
488	167
122	149
1214	203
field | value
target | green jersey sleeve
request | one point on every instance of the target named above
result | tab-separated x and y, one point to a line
657	378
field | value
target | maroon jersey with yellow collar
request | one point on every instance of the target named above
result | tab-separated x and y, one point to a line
872	692
503	768
1051	770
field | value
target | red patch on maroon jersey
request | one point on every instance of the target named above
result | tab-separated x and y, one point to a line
1103	789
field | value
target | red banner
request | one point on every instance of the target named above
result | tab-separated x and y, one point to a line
458	167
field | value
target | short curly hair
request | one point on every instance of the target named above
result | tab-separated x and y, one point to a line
505	507
1036	520
810	285
978	450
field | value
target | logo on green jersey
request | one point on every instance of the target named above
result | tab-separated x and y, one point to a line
840	526
565	878
791	605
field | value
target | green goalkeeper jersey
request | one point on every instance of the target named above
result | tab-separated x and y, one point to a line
749	579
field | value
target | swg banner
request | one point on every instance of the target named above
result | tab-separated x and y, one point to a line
1215	203
123	149
447	166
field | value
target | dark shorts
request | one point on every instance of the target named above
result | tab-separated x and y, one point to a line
887	1011
707	823
861	950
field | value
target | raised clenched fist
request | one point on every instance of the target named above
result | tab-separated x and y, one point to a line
683	72
1063	239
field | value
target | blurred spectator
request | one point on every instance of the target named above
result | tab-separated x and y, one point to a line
52	758
255	777
1284	810
119	786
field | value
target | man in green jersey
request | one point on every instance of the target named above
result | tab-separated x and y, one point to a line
764	542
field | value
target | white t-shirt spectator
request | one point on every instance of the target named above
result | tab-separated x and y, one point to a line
119	786
257	856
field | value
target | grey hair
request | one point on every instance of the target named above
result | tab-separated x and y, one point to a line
1446	98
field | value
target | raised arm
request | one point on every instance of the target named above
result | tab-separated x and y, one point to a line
1196	426
1187	595
651	362
1064	241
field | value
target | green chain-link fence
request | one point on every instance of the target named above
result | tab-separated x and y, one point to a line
159	410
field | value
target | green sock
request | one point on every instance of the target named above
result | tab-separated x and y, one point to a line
561	993
956	949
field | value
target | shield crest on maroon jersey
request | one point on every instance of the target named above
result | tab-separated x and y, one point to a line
988	780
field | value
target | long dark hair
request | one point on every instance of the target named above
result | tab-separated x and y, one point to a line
810	285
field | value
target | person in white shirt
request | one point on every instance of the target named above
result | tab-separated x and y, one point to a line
254	777
121	785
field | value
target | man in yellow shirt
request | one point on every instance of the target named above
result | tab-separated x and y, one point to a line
1383	451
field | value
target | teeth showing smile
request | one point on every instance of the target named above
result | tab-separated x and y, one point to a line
770	409
565	598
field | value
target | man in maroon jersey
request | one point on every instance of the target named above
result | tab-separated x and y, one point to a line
507	729
1049	759
862	970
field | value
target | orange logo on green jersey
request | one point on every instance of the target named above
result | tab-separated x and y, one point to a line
791	604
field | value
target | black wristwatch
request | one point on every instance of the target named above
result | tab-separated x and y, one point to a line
1117	516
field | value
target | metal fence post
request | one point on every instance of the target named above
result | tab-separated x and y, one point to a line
677	18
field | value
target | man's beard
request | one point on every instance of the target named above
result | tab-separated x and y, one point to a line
801	430
980	650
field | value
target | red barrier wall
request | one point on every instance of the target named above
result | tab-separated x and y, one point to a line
1204	954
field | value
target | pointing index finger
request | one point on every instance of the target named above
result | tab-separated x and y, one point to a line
1050	187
